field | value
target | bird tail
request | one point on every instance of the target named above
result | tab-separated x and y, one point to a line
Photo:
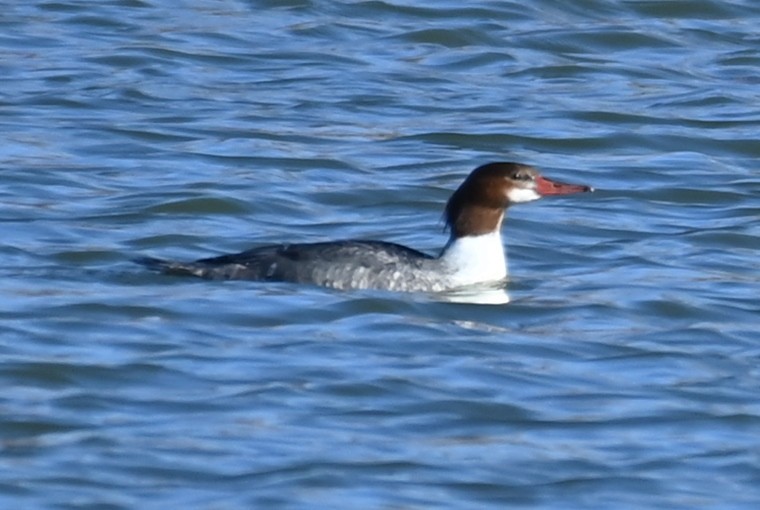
153	263
172	266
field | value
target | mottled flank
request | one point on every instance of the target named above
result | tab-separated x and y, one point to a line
339	265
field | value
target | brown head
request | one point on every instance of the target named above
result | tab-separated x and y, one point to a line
477	206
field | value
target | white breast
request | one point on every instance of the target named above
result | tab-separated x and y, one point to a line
475	259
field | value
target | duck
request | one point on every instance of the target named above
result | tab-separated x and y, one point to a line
473	255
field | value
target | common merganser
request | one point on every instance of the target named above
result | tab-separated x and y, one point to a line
473	256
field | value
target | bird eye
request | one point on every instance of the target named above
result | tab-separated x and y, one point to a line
522	176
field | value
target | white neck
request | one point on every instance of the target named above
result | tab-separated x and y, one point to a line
475	259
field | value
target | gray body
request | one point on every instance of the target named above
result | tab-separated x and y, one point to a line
339	265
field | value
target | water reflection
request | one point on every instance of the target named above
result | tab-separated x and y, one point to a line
489	294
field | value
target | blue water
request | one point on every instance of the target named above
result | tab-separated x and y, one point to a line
623	374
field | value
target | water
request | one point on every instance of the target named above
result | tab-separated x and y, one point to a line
624	373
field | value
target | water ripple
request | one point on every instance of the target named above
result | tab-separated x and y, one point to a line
623	373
